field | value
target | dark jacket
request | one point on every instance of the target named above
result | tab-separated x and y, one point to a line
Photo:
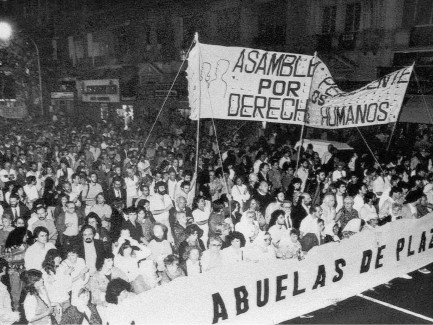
136	230
24	212
99	247
110	195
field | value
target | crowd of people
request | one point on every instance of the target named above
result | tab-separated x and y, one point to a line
99	215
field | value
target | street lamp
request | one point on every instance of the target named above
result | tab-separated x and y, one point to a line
6	34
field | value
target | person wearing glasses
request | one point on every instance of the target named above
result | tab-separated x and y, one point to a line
262	249
212	258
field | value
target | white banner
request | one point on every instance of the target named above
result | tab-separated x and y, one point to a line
237	83
379	102
274	292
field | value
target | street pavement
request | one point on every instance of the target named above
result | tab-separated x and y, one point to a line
413	298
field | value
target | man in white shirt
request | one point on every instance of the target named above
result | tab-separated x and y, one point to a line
302	173
172	184
160	205
35	254
339	172
358	200
309	223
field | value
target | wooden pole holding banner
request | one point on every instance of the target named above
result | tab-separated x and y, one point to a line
390	137
371	151
198	117
305	117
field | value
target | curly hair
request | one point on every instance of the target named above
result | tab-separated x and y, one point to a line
114	289
29	279
237	235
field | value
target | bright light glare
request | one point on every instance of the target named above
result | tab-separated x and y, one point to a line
5	31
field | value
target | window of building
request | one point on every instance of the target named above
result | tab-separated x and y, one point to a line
353	17
328	19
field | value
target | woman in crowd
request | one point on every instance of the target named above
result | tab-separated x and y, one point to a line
368	210
64	173
172	269
93	220
79	271
7	316
294	191
83	312
106	272
58	281
201	214
240	192
127	262
328	209
235	252
6	220
193	235
262	249
118	296
102	209
248	226
192	264
37	304
290	247
212	258
146	220
254	206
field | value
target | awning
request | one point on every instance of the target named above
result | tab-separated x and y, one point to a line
418	109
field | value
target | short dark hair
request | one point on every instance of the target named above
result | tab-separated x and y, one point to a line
40	229
87	227
237	235
115	288
101	261
171	259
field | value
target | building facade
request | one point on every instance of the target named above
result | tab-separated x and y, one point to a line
142	44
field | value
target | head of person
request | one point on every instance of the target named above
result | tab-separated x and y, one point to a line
186	186
193	232
253	205
117	291
264	187
329	200
126	249
52	261
181	203
159	231
316	211
14	200
32	281
160	188
236	239
41	234
396	193
93	220
106	263
20	222
131	214
117	183
294	235
396	209
88	233
305	198
192	253
348	203
370	198
6	221
215	243
71	253
341	187
277	218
